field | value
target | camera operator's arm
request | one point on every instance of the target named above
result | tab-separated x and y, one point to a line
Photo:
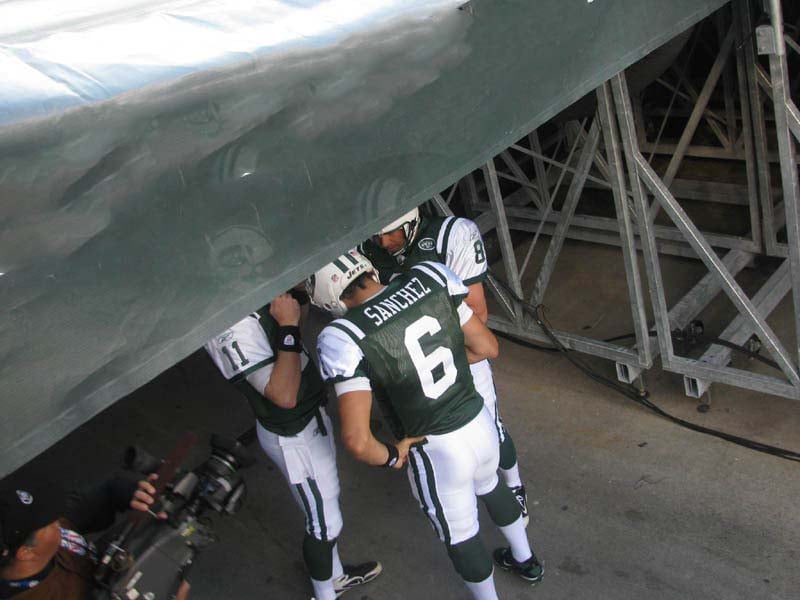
95	508
284	381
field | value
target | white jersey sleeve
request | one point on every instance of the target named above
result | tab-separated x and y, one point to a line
341	360
455	287
464	252
242	351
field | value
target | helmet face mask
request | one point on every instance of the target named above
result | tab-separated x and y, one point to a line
409	223
325	287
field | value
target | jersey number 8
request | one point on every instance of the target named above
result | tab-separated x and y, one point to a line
480	253
425	364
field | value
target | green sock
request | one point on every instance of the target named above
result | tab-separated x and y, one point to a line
318	556
471	560
502	506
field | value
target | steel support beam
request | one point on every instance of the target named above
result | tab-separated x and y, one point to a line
690	306
503	233
573	195
739	330
771	42
706	254
750	314
763	384
597	236
539	168
618	185
748	144
742	9
662	232
579	343
697	114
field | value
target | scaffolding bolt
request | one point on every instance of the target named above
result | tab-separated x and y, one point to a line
753	346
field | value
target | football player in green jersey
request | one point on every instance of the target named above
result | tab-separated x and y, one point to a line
412	341
264	357
457	244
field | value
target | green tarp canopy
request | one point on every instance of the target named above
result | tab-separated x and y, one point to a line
167	167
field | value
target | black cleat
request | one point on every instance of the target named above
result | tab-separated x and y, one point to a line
355	575
522	498
531	570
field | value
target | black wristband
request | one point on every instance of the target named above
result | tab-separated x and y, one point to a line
300	295
394	456
289	338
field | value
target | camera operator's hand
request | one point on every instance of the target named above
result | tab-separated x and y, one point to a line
285	310
143	497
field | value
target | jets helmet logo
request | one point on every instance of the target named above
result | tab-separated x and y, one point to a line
427	244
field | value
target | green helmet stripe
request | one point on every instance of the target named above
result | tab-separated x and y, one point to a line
351	258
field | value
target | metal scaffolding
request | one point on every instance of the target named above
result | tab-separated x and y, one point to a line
735	111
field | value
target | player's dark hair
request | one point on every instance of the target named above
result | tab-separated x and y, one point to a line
359	283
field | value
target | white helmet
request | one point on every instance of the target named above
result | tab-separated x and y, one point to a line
325	287
239	257
410	224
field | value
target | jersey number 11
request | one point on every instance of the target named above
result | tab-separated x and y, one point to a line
242	358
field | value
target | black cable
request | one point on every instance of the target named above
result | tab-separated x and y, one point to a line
618	338
742	349
630	391
525	343
710	341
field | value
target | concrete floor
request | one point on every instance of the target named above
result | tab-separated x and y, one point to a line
624	504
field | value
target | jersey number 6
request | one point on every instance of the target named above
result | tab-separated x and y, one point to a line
425	364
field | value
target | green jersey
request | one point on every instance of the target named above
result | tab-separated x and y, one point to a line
406	345
245	356
452	241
